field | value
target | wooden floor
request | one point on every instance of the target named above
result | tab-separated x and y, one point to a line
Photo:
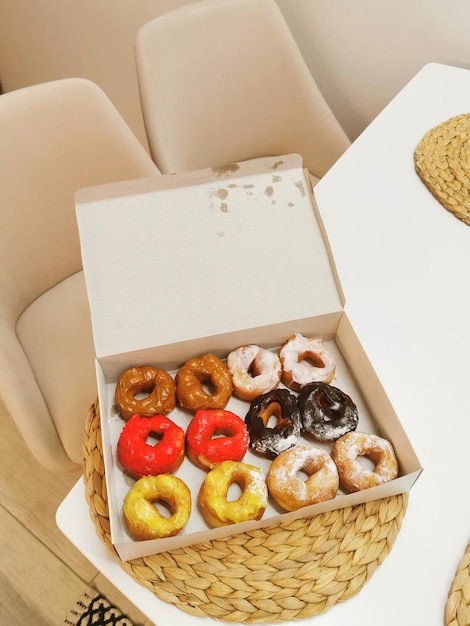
41	574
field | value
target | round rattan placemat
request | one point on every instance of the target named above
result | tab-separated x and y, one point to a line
442	161
457	612
280	573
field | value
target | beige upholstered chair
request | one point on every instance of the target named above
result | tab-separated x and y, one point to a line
55	138
224	81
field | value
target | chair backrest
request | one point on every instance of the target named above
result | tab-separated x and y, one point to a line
55	138
224	81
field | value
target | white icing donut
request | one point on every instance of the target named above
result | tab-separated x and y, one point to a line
293	493
254	371
297	371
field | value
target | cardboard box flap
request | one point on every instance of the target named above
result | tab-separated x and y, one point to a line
177	257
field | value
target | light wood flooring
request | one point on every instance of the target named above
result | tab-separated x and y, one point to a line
41	574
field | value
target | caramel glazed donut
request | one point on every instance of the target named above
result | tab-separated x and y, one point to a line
270	441
157	383
205	369
326	412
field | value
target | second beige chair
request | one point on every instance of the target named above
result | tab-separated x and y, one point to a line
224	81
55	138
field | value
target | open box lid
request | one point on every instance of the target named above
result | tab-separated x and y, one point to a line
178	257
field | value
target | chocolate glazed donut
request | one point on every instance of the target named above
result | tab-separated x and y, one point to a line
271	441
326	412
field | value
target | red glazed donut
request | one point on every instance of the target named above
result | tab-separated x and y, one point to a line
142	459
204	445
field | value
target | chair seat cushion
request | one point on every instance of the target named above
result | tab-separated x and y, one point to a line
55	332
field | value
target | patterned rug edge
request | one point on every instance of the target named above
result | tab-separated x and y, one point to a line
94	609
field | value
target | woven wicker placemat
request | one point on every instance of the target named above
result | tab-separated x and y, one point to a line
442	160
280	573
457	612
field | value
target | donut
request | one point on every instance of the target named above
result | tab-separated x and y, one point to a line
155	382
213	500
216	435
292	493
326	412
143	520
189	383
140	458
254	371
271	440
305	360
353	475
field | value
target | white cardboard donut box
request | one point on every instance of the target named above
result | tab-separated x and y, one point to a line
208	261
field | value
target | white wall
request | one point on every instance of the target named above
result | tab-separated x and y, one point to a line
43	40
361	52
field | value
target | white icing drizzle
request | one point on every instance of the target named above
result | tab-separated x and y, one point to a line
265	365
302	371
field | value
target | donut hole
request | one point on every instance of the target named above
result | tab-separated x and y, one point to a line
253	369
234	492
153	438
208	386
311	359
219	433
163	507
302	475
143	392
368	461
271	417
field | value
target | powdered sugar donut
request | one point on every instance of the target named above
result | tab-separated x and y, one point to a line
353	475
254	371
305	360
291	492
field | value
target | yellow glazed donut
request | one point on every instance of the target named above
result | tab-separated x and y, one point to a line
143	520
292	493
254	371
297	371
352	474
212	499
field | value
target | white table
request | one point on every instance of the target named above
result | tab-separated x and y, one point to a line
404	264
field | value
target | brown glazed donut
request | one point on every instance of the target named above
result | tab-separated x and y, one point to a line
326	412
189	383
353	475
271	440
157	383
